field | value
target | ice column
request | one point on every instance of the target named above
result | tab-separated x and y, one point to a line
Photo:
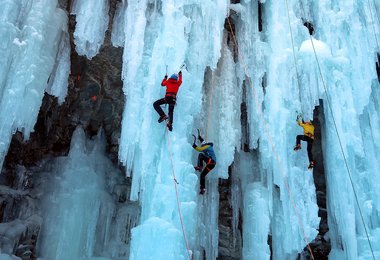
272	101
156	35
349	76
31	32
81	218
92	23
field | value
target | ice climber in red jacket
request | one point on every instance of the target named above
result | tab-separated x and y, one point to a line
172	85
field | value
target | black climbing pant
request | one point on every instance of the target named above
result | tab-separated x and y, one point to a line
166	100
309	144
210	164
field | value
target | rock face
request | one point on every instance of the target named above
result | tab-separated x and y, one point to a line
95	100
229	245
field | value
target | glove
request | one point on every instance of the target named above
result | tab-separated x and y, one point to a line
180	72
166	76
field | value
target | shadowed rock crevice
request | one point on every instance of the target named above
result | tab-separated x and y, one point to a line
229	244
320	246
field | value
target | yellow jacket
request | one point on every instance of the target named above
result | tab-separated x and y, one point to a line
308	128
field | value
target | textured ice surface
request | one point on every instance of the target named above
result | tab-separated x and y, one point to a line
34	40
278	193
91	25
81	218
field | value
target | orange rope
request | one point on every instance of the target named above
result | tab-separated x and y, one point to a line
178	204
270	140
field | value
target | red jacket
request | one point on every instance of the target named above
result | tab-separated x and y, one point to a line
172	85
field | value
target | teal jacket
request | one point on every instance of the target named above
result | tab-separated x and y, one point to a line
207	149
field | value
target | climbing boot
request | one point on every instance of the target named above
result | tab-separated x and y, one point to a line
202	191
162	118
170	127
311	165
297	147
197	168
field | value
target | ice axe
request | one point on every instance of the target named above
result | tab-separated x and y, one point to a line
199	136
299	115
183	66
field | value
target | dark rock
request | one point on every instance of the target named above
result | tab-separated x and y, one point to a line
229	245
319	246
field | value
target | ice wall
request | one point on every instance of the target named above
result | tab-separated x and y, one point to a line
348	73
157	34
277	192
31	33
80	213
346	28
266	65
277	86
340	29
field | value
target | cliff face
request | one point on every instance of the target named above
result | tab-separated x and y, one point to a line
252	191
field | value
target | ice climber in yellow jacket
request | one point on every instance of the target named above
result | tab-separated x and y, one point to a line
308	136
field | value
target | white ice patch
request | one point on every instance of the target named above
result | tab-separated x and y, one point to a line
18	42
320	47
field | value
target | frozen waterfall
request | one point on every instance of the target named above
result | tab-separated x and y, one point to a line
251	66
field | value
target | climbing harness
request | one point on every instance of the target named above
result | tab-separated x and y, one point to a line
178	203
271	141
339	139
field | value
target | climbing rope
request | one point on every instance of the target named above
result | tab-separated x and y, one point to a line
373	23
271	142
210	105
377	12
294	55
178	203
339	139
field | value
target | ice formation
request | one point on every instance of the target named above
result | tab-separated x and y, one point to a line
275	71
33	51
